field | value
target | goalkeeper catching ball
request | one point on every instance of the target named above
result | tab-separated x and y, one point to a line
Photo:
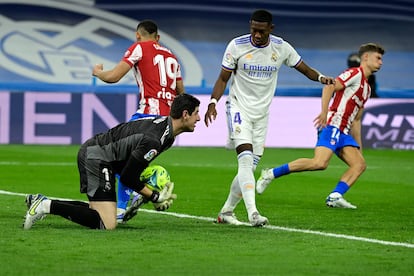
126	149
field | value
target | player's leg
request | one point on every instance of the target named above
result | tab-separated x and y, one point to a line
247	184
124	194
107	213
249	136
226	214
323	152
76	211
319	161
352	156
99	214
98	179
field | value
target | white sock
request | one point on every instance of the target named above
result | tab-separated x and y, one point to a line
247	181
235	194
256	160
233	198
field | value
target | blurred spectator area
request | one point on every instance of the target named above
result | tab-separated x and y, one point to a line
324	33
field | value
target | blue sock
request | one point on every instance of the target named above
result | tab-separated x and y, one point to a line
281	170
123	195
341	188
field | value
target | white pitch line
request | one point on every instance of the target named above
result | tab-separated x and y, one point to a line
18	163
273	227
192	165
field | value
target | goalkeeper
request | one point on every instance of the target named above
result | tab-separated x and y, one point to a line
127	150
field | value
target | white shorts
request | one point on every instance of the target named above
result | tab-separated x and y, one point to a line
243	130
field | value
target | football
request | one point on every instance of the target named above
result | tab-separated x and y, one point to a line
155	177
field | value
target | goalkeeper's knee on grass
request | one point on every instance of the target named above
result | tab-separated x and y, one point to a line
77	213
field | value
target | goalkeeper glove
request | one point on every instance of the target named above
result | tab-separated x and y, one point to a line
164	194
162	206
166	197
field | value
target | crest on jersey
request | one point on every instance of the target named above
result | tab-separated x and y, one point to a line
150	155
274	57
228	58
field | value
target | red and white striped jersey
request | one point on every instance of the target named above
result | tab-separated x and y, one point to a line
348	101
156	71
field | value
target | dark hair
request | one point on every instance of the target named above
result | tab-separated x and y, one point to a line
183	102
370	47
148	26
261	16
354	60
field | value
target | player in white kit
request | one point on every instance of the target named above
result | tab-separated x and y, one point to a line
340	128
254	61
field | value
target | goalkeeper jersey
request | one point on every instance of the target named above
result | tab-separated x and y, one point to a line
129	144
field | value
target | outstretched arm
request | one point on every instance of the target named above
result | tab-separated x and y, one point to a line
313	74
218	91
113	75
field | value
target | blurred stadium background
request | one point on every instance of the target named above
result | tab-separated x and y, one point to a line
47	94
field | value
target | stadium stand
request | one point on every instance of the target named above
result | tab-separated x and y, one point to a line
324	32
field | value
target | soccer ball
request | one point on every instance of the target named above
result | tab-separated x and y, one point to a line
155	177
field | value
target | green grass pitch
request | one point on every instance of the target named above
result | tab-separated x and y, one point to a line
304	238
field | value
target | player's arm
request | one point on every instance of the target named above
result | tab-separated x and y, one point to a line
327	94
180	87
140	158
218	91
130	174
356	128
313	74
113	75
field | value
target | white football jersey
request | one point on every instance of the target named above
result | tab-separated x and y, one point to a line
255	71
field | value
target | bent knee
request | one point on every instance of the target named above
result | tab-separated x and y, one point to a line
359	167
362	166
110	226
320	165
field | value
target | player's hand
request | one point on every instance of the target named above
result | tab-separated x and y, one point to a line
211	114
327	80
97	68
162	206
167	193
320	121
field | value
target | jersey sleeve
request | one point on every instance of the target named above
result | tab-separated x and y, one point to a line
147	150
346	78
229	61
133	54
292	57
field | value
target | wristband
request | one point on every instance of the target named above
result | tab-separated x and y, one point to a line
320	77
154	196
213	101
